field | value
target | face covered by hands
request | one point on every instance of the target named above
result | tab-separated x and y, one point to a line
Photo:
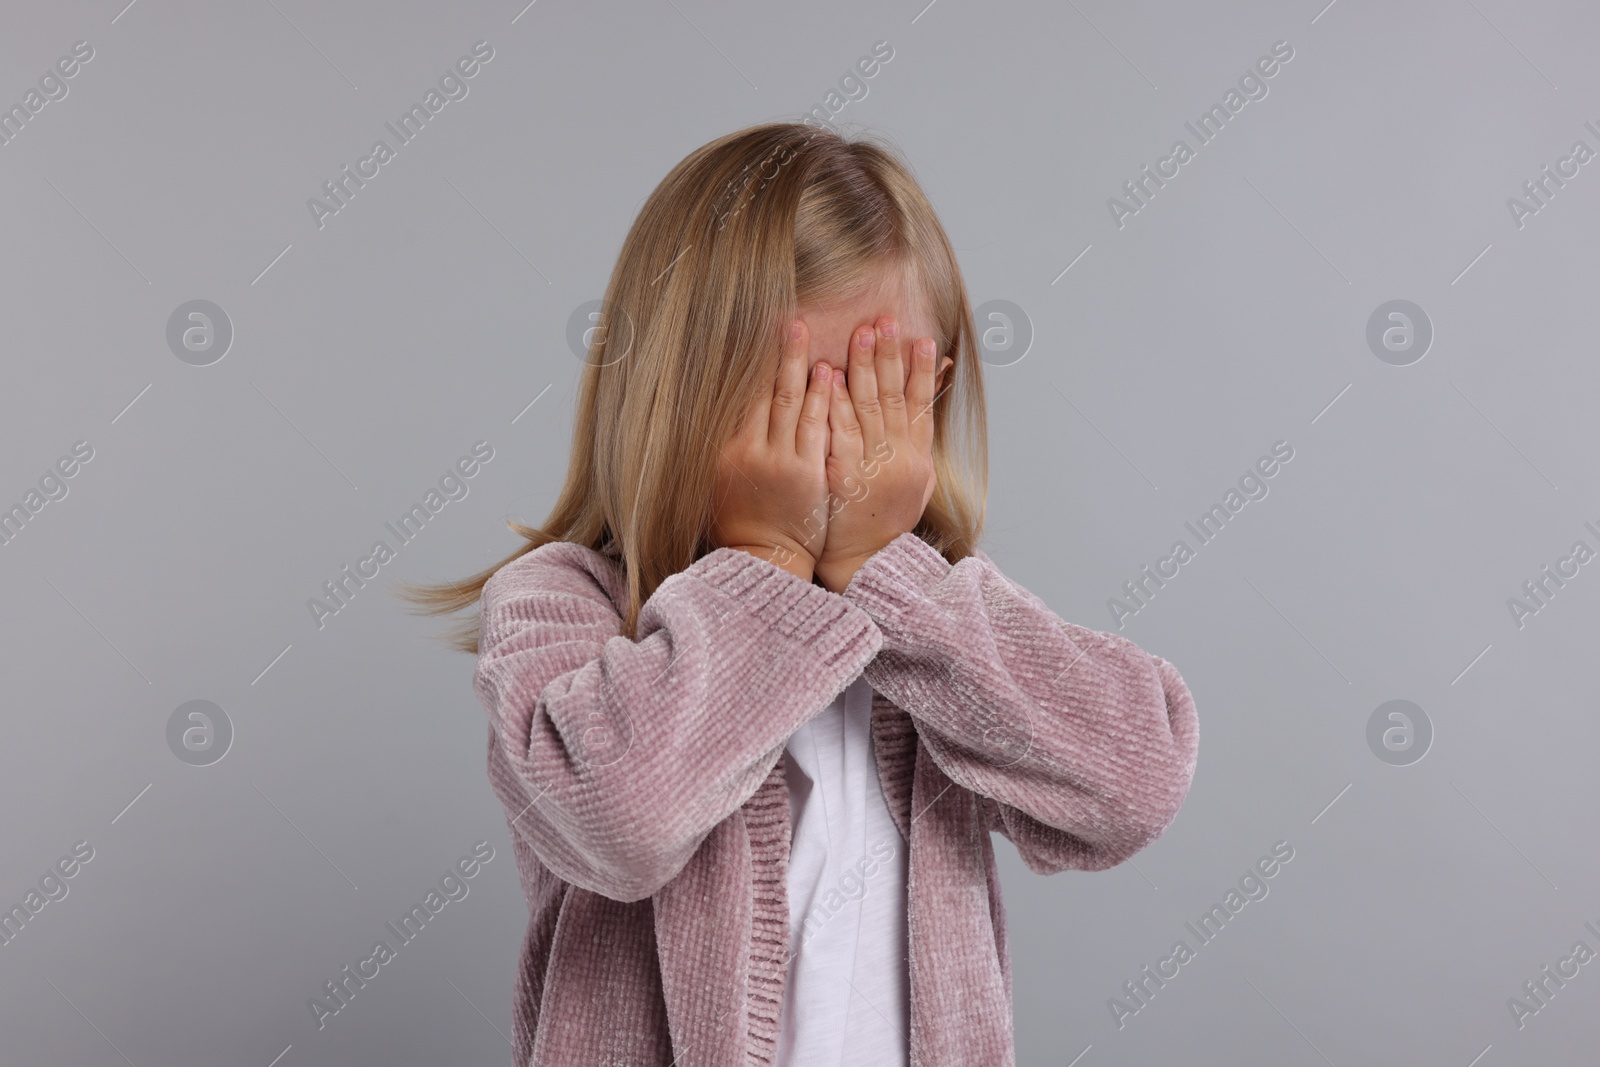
880	474
836	461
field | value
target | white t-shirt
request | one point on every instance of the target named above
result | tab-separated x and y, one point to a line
846	1001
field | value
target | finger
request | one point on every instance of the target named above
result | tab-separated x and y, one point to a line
863	379
891	367
789	391
812	439
845	443
919	394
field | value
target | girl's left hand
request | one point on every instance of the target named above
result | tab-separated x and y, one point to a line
880	454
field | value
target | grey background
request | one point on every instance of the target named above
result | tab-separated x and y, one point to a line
1230	313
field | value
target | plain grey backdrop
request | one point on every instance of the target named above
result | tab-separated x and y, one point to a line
1142	359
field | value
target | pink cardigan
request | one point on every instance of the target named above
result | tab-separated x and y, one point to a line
644	788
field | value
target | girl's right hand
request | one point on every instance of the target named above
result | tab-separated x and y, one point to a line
772	479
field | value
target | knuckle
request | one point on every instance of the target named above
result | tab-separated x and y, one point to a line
787	395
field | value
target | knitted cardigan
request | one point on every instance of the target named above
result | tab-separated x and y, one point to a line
644	788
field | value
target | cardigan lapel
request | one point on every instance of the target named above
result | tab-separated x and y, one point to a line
894	747
600	1003
722	935
960	996
702	926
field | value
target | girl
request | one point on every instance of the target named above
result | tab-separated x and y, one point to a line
756	699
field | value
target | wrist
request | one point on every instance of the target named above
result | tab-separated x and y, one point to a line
798	564
836	574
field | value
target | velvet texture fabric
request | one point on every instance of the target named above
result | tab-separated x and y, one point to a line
644	785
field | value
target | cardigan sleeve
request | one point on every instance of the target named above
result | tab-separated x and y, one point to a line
1079	745
627	753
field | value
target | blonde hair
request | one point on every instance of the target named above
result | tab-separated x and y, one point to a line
733	241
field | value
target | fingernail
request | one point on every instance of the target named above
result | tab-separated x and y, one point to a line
838	377
794	330
891	328
820	371
925	346
864	336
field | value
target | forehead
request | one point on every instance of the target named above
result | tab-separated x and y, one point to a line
891	295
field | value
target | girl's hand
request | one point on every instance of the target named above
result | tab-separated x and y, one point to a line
771	485
880	456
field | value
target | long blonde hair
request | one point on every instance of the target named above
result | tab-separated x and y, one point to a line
741	234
